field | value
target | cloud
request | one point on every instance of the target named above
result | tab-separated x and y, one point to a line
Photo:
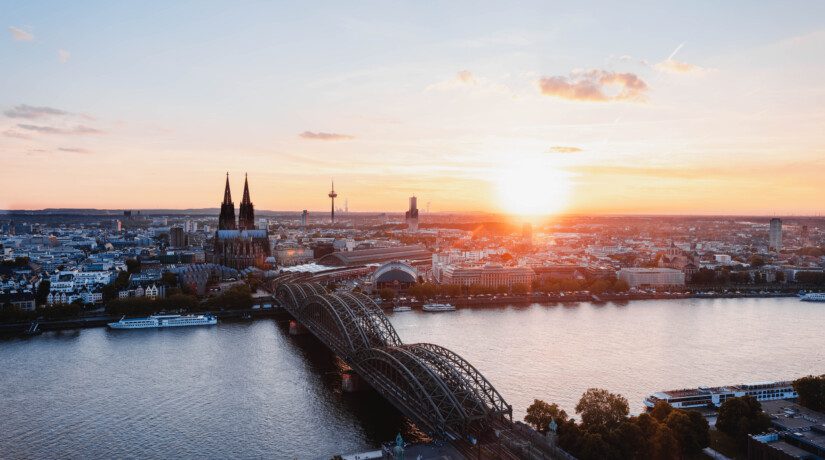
319	136
595	85
465	76
72	150
32	112
671	65
16	134
77	130
20	35
63	56
563	149
462	79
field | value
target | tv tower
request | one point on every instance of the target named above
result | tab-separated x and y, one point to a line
332	196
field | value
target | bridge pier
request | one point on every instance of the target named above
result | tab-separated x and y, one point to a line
295	328
351	382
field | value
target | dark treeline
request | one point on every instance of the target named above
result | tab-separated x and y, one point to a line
605	430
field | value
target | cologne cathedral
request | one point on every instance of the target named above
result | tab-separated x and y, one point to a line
239	244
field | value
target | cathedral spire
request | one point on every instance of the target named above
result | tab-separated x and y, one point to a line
226	220
246	216
246	199
227	194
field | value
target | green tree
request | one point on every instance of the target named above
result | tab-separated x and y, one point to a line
133	265
739	417
811	390
540	413
691	431
386	293
601	411
42	291
756	261
169	279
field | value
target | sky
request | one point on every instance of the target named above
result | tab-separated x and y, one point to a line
700	107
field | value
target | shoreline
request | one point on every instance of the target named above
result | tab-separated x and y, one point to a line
17	329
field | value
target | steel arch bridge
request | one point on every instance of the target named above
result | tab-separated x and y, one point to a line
436	388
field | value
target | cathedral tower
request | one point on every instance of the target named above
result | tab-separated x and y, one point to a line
226	221
246	216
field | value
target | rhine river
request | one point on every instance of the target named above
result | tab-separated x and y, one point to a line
249	390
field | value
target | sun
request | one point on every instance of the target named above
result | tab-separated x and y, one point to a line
532	187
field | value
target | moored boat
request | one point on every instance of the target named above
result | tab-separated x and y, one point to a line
715	396
159	321
437	307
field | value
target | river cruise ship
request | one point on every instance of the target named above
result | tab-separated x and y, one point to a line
707	396
813	297
158	321
436	307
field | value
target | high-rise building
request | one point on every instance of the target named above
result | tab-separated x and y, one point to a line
304	218
775	234
412	215
527	234
177	237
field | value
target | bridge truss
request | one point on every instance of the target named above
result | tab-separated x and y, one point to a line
436	388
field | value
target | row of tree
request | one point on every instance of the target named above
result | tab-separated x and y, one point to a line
423	291
606	431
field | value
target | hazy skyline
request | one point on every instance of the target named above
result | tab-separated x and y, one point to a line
677	108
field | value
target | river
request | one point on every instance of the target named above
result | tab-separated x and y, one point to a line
249	390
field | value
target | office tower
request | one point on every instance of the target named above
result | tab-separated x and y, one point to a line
775	234
412	215
177	238
304	218
527	234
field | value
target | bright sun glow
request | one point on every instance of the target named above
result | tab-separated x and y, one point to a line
532	187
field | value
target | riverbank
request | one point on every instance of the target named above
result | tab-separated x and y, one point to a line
542	298
478	301
103	320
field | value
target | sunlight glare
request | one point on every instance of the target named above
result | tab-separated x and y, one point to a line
532	187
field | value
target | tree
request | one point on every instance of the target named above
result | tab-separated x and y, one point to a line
811	390
739	417
540	413
690	429
133	265
661	410
601	411
386	293
42	291
663	444
756	261
169	279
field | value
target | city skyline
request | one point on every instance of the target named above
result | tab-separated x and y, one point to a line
533	110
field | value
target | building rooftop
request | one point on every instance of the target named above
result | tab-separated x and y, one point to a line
377	255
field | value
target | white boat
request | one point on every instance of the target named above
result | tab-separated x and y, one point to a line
158	321
705	397
436	307
401	308
813	297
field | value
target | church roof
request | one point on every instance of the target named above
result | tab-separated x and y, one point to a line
230	234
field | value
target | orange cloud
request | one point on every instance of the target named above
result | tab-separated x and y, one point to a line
674	66
563	149
465	76
595	85
20	35
319	136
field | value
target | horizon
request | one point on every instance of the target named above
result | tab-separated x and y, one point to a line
541	110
